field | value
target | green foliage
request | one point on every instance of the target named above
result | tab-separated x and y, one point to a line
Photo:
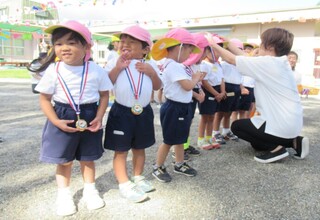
15	73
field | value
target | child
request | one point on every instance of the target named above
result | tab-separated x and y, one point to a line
213	86
130	121
232	79
278	102
175	113
73	129
36	76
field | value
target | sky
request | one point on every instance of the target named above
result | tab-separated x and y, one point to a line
121	10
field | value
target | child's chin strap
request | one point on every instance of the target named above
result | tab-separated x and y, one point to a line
180	48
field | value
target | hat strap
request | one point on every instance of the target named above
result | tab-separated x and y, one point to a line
180	48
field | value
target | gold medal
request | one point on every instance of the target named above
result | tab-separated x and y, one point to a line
136	109
81	124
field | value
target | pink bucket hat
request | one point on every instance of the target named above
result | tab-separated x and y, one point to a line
202	42
174	37
137	32
77	27
238	43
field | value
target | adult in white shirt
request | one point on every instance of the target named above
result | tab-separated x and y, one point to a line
281	116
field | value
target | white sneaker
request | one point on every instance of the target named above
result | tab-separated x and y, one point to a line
92	199
65	204
204	144
143	184
133	193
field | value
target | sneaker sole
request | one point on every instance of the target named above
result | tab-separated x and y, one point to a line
186	174
272	159
160	180
304	149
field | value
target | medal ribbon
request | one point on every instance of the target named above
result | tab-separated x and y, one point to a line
66	90
136	90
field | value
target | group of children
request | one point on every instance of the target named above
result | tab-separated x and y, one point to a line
191	74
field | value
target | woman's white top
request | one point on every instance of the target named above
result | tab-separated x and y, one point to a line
277	98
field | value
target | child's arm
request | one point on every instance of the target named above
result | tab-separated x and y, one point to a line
199	96
188	85
96	123
147	69
47	108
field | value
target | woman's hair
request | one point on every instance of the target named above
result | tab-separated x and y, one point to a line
56	35
278	38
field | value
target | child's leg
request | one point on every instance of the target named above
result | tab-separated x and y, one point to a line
179	151
88	171
138	160
128	189
162	154
202	126
120	166
65	203
63	174
90	193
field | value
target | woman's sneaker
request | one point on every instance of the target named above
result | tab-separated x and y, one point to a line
143	184
302	147
65	203
272	156
185	169
133	193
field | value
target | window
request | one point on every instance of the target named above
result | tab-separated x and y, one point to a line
17	48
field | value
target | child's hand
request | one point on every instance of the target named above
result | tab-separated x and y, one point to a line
198	76
63	125
123	61
200	97
95	125
145	68
244	91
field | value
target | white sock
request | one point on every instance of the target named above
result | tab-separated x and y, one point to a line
215	132
124	185
89	186
225	131
64	190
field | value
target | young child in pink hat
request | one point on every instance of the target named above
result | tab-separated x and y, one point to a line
176	112
130	120
73	129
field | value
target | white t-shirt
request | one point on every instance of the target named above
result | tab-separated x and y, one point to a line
124	91
277	98
297	77
248	81
215	73
231	74
97	80
174	72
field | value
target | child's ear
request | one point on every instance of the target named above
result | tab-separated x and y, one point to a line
147	49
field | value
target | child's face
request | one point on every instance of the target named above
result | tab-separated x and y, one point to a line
186	50
292	60
132	48
70	51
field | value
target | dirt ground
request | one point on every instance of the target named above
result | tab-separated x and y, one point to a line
229	184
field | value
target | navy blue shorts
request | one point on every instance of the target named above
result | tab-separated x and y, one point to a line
61	147
124	130
175	118
194	103
231	103
210	105
246	100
